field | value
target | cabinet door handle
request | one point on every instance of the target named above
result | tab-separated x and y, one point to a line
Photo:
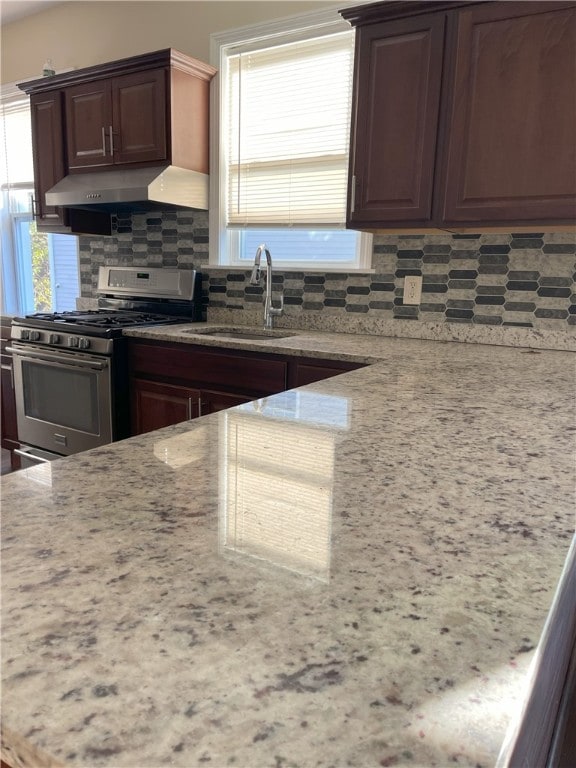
111	139
103	142
189	408
353	195
199	406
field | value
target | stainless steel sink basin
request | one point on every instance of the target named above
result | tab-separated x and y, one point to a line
250	334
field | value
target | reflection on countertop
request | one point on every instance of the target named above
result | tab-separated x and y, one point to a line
356	573
277	479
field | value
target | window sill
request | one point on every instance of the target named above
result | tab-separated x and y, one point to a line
284	269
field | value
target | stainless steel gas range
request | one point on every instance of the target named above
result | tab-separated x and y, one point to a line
70	368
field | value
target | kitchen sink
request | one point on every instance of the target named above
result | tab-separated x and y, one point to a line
250	334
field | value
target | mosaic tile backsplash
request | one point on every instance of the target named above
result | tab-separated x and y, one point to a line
516	279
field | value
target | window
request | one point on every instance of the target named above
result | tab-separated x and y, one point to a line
284	106
39	270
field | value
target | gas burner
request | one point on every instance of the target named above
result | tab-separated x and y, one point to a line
120	319
104	323
69	317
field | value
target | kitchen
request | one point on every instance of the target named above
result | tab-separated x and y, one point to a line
455	385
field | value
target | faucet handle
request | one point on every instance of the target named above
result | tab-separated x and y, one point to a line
278	310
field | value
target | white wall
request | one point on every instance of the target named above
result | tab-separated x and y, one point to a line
82	33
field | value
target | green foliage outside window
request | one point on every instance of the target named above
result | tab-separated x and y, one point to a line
40	270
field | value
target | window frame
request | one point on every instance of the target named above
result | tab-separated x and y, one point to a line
16	274
224	243
16	278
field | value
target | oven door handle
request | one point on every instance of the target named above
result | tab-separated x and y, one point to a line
30	454
58	360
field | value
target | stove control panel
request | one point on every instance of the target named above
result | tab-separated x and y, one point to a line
70	341
80	342
28	335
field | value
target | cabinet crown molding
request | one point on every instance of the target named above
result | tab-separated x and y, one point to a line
385	11
167	57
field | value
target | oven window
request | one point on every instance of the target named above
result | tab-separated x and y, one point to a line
61	396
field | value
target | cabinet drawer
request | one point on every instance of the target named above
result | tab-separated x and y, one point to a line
195	366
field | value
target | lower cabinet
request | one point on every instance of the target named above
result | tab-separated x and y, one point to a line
211	402
156	405
9	435
305	371
172	382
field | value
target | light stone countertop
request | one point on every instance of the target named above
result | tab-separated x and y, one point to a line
359	345
354	573
357	348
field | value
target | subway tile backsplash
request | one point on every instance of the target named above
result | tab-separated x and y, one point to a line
515	279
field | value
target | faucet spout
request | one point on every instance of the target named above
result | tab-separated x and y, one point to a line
269	310
255	276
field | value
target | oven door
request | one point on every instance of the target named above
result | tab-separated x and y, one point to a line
63	398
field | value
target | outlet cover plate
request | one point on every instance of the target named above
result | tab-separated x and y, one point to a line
412	289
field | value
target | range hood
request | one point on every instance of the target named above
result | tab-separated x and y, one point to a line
132	189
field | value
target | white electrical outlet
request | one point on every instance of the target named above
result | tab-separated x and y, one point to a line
412	289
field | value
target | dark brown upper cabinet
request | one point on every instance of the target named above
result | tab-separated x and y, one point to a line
464	116
512	115
398	75
48	157
140	111
117	121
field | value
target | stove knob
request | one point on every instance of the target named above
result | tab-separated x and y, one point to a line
73	341
25	335
34	335
54	338
84	343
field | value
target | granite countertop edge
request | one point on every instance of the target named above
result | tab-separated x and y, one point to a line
363	348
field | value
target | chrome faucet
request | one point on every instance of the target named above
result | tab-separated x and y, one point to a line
270	312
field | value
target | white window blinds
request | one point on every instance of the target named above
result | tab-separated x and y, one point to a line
288	133
15	138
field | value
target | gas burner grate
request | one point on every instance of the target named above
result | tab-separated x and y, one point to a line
101	318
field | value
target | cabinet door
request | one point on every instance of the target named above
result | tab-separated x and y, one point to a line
211	402
397	101
512	117
48	154
8	401
139	109
308	371
88	124
155	405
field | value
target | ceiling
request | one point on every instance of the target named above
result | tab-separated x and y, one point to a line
11	10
